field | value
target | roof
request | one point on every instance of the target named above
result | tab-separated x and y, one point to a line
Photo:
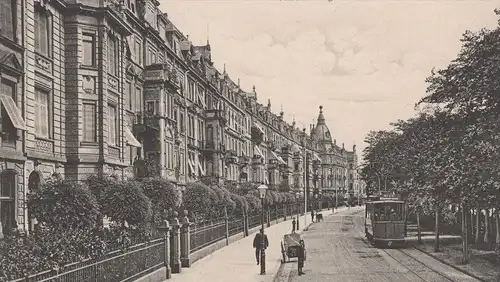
321	131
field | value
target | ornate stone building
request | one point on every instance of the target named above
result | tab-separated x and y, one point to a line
99	87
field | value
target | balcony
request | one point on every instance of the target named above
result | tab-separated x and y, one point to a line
210	146
231	157
192	144
162	73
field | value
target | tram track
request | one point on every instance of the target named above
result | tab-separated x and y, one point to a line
403	253
390	253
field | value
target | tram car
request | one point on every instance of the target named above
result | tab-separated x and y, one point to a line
385	222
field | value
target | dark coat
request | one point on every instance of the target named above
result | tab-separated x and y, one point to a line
301	255
257	241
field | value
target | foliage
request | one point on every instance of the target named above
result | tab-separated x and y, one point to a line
162	194
124	201
62	205
97	183
254	203
200	201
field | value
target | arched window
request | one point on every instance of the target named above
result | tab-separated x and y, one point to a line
8	201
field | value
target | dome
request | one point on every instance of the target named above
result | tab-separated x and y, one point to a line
321	132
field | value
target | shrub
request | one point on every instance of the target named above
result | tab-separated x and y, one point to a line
200	201
162	194
125	201
63	205
254	202
97	184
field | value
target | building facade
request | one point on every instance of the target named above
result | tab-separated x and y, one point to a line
103	87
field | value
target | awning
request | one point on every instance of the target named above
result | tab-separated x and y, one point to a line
191	166
131	140
202	101
280	160
257	151
202	171
13	112
316	157
256	125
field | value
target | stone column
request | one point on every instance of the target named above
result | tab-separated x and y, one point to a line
185	241
175	244
165	229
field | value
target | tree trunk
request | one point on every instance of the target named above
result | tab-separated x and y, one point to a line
465	245
486	226
419	233
478	220
497	223
472	225
436	229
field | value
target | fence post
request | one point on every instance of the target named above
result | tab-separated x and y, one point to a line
175	259
245	223
185	241
268	215
226	222
165	229
277	215
285	211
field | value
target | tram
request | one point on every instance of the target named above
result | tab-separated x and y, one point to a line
385	222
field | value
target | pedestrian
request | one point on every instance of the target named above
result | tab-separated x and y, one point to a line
293	225
301	255
312	216
257	244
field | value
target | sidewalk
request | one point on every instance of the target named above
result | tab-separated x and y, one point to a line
237	261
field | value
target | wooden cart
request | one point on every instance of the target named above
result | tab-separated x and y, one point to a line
289	246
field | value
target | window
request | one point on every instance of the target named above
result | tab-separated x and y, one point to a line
113	55
7	200
138	99
112	125
42	32
89	49
128	94
89	122
181	122
8	130
42	111
138	51
7	22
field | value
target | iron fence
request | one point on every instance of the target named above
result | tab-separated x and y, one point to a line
254	220
207	234
116	266
236	226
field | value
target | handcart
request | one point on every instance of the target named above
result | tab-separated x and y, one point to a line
289	246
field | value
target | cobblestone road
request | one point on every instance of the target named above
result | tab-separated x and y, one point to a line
338	251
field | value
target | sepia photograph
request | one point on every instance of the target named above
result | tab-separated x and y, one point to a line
249	140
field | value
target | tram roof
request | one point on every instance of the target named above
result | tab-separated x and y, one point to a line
386	201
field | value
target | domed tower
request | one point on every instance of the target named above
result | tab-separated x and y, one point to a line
321	133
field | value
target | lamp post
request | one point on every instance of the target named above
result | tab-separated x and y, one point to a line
262	192
297	195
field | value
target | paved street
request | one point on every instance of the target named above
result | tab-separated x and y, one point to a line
338	251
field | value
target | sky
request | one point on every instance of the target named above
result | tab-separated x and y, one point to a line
364	61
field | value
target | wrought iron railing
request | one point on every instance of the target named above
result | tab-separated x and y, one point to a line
207	234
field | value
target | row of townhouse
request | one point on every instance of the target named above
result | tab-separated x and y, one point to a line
102	86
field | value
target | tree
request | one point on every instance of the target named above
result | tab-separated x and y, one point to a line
162	195
200	201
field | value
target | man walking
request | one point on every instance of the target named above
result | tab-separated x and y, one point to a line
293	225
312	215
301	255
257	244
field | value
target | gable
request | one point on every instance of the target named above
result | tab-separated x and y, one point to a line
9	61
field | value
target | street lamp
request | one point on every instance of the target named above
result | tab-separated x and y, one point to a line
262	192
297	195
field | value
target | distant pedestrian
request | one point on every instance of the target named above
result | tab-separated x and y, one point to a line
312	215
257	244
301	255
293	225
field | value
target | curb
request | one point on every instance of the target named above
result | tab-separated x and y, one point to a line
451	265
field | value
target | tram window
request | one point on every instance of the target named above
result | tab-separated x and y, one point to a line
389	212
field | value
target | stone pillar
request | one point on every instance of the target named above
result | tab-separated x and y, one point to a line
175	244
185	241
165	229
